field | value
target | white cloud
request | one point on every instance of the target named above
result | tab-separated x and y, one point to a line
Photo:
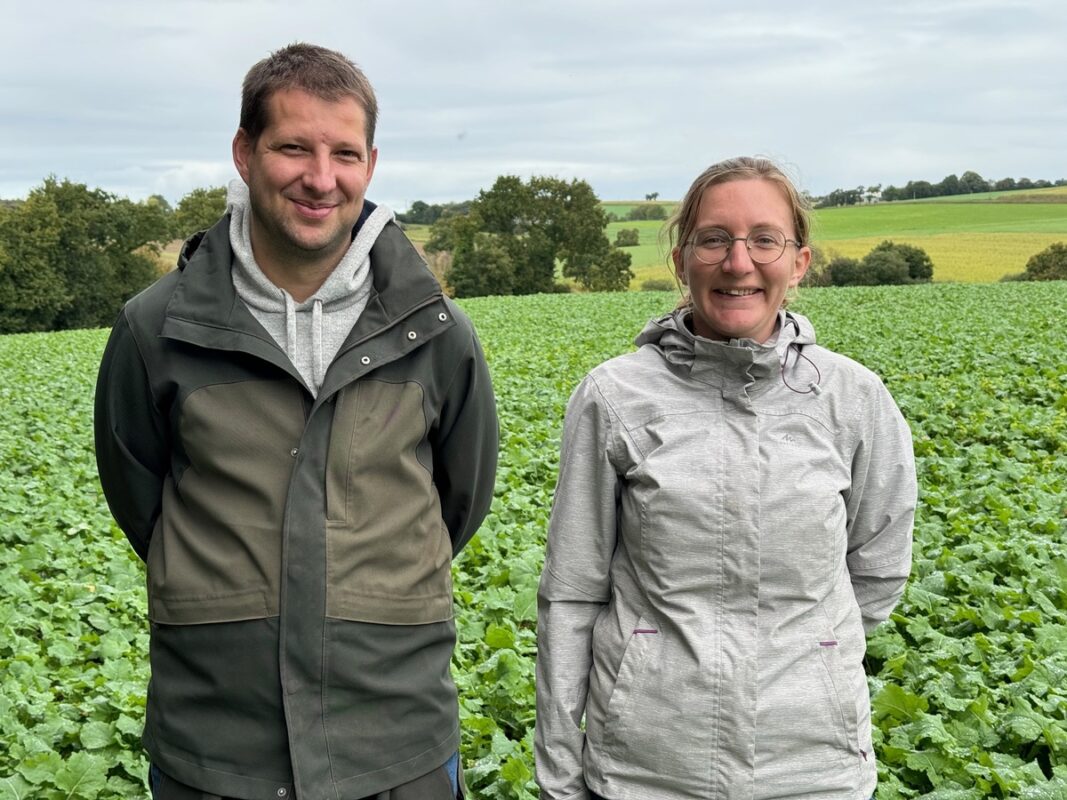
143	98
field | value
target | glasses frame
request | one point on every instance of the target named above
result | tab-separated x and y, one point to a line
748	246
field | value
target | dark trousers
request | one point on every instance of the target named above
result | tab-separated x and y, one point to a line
434	785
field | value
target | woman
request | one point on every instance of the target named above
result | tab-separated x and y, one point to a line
733	513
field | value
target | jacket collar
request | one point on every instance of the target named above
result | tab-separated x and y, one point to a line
205	310
742	363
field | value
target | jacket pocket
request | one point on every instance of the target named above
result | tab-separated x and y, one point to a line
215	555
842	698
806	717
388	553
632	689
205	570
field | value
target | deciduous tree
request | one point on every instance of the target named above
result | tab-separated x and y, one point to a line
72	255
198	211
971	182
533	226
32	292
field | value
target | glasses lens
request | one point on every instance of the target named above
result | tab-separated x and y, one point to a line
711	246
766	246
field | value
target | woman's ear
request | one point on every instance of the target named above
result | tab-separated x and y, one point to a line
679	265
800	265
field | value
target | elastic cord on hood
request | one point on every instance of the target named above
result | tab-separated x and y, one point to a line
798	348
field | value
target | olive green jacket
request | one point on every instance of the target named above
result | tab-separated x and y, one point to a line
298	549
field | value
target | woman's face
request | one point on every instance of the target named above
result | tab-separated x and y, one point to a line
739	298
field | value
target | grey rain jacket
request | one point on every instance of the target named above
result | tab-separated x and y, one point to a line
298	549
719	544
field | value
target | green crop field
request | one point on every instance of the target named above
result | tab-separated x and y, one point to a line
968	677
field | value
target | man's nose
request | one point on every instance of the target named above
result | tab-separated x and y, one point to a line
319	175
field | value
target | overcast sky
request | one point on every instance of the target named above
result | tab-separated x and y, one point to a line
140	98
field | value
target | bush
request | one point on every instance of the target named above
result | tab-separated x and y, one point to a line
627	237
818	273
920	267
1048	265
845	271
1014	276
647	211
885	268
658	285
885	265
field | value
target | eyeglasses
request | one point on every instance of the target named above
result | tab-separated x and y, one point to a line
712	246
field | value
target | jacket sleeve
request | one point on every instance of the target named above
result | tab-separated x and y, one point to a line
575	587
465	445
131	442
881	508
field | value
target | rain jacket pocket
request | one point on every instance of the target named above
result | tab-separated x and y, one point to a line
388	552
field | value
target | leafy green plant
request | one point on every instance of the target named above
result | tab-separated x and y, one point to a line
968	677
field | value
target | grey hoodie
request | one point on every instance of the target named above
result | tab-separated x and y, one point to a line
730	518
310	332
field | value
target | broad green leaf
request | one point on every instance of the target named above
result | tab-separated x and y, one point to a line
82	776
96	735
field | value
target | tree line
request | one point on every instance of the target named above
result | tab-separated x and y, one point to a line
70	256
969	182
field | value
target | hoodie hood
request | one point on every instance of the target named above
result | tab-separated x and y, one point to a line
310	332
721	362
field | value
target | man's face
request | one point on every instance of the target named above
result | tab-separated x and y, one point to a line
307	174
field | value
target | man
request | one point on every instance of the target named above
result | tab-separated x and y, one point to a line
296	431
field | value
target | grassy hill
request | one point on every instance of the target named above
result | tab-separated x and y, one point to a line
976	238
972	239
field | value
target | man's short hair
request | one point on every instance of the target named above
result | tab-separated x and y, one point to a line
326	74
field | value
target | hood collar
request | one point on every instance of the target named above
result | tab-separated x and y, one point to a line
723	362
206	294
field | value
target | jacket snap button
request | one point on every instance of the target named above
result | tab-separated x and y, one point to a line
282	792
294	451
365	360
443	316
412	334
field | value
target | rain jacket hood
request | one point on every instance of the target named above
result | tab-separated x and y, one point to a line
672	337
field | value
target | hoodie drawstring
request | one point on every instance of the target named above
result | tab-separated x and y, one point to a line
290	325
316	341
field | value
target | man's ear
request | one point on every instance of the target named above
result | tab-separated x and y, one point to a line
243	147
